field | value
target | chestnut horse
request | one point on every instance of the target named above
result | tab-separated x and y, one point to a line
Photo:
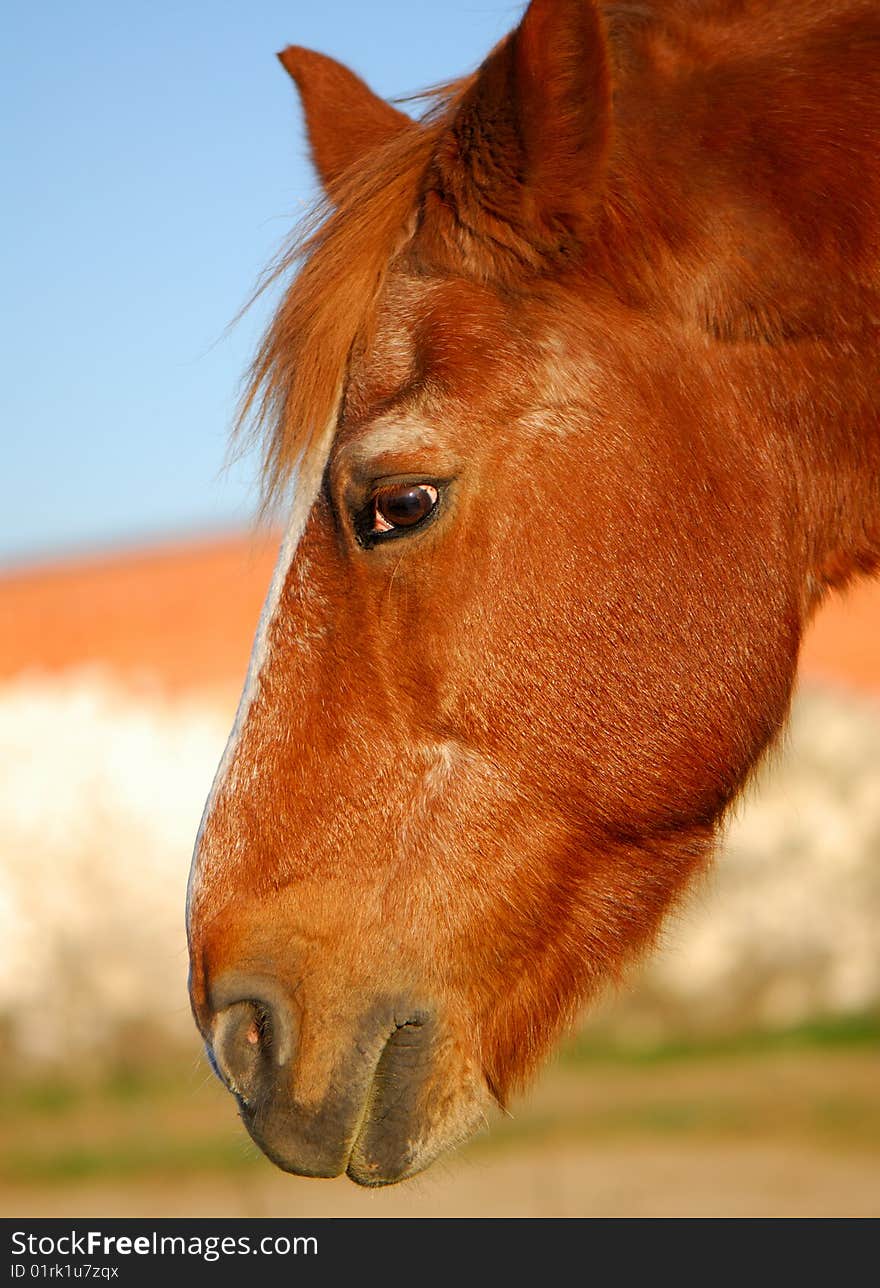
577	392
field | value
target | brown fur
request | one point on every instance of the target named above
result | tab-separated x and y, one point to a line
619	294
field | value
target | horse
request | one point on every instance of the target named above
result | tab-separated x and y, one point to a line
572	402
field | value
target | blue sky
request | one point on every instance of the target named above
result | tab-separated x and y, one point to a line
154	160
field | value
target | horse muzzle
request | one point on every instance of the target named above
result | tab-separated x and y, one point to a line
377	1093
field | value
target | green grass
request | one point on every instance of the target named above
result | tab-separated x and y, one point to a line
127	1159
54	1096
845	1032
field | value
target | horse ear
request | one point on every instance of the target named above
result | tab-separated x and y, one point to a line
530	137
344	118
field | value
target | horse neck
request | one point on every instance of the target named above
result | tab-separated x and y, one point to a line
835	447
814	406
744	181
744	199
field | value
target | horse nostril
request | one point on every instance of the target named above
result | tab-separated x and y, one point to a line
242	1038
252	1038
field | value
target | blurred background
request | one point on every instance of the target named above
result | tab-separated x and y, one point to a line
155	162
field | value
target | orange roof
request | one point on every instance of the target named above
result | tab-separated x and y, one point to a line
843	643
183	614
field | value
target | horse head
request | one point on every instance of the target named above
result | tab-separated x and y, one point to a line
537	611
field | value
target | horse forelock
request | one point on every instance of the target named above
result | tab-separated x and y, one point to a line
342	252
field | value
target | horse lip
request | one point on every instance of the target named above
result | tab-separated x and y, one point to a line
367	1176
384	1149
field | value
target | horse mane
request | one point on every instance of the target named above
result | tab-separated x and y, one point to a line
343	251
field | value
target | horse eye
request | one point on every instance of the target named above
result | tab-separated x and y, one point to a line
401	507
